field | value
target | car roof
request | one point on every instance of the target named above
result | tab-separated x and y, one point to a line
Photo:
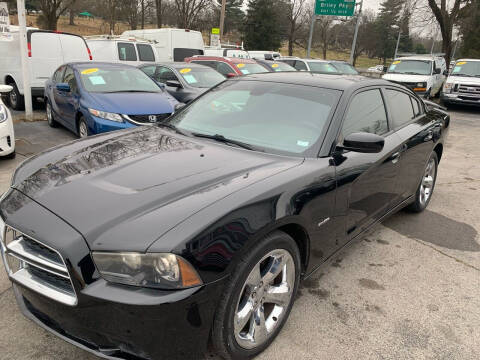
90	64
234	60
316	60
336	82
175	65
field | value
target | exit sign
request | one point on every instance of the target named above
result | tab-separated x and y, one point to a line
335	7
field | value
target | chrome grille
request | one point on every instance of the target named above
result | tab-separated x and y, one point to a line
37	266
147	119
472	91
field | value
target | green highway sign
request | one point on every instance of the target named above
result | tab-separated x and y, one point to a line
335	7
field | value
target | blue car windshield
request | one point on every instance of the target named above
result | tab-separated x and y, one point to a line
116	79
274	117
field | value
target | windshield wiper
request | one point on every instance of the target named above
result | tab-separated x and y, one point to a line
172	127
223	139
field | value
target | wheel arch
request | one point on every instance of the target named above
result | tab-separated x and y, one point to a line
439	151
9	79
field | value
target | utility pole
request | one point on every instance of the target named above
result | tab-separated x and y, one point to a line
22	28
312	25
433	44
398	42
357	25
454	51
222	19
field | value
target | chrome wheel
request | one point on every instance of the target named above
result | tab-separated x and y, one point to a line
264	299
82	129
428	180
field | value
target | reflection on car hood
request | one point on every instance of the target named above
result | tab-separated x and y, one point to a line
148	179
135	103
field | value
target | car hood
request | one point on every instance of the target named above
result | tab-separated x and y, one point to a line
135	103
464	80
123	191
406	77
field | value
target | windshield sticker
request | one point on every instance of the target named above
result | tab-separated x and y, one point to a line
461	63
303	143
274	66
240	65
245	71
396	62
189	78
186	70
456	69
96	80
89	71
392	67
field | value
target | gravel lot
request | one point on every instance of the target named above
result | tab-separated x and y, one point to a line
409	290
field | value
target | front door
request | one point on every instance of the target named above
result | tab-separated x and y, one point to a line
68	100
366	183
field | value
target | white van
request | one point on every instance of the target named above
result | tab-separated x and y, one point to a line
264	55
227	52
463	84
172	44
121	49
424	74
47	50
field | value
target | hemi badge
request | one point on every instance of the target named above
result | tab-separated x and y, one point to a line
324	221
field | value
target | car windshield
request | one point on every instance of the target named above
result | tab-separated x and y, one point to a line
201	77
345	68
280	66
251	68
467	68
413	67
116	79
322	67
271	117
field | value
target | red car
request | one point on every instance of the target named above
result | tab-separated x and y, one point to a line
229	66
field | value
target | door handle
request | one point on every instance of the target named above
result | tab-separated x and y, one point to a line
395	156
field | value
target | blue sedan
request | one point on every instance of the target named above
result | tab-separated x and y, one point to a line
90	98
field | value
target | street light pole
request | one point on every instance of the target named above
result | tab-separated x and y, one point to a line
398	42
312	24
222	19
354	43
22	28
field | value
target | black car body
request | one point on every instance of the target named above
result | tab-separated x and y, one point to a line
184	81
152	190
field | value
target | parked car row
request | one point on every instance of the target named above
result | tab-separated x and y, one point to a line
463	83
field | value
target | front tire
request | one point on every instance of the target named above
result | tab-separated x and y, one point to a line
51	120
425	189
258	298
82	128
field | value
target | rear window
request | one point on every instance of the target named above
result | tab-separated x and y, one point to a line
280	66
251	68
179	54
322	67
126	52
145	52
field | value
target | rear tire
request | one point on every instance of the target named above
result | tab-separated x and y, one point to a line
425	189
82	128
50	118
15	99
257	300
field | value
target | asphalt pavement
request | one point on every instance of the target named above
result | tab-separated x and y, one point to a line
409	290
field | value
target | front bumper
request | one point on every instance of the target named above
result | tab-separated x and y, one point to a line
460	100
120	322
98	125
7	138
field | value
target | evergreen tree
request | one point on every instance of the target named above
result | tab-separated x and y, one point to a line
389	15
469	25
263	28
233	15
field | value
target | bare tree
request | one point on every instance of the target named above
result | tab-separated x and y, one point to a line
188	10
112	14
159	11
51	11
297	16
325	35
447	16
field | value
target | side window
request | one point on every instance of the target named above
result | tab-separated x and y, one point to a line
366	113
58	76
300	65
224	69
69	78
126	52
145	52
416	107
400	107
289	62
164	74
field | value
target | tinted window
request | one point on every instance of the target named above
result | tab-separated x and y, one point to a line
69	78
416	107
180	54
282	118
164	74
289	62
149	70
366	113
145	52
126	52
400	107
58	76
300	65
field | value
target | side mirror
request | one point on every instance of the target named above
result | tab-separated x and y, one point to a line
445	72
64	87
174	83
230	75
363	142
437	71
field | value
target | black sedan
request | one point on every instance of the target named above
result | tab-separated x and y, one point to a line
158	242
184	81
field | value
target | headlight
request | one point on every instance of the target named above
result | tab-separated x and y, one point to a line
421	85
161	270
3	113
106	115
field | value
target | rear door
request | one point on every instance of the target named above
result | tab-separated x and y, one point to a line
417	132
366	182
74	48
46	56
70	99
